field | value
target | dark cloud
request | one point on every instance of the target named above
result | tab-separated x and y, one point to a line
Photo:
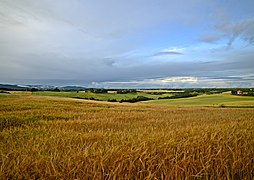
167	52
243	30
109	61
234	78
210	38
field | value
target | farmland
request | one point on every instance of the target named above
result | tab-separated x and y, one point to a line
202	100
44	137
98	96
215	100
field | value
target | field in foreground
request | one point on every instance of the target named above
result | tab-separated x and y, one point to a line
54	138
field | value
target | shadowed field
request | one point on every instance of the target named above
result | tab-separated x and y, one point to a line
61	138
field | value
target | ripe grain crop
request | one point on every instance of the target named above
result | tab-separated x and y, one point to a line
59	138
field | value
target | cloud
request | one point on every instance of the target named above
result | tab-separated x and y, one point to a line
117	41
169	51
109	61
244	30
168	82
210	38
181	82
107	70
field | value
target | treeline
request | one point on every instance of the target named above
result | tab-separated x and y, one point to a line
193	90
179	95
157	93
249	94
132	100
87	98
118	91
137	99
207	90
3	91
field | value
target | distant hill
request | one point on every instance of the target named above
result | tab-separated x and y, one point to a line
39	87
76	88
12	87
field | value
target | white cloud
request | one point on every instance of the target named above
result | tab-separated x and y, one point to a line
191	80
170	51
181	82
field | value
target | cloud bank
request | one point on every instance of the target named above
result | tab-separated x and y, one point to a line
97	43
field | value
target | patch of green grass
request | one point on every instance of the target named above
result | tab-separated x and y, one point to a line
4	95
97	96
215	100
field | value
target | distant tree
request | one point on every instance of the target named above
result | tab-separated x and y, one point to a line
233	91
3	91
112	100
34	89
56	90
137	99
179	95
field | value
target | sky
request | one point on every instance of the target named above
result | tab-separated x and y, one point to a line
128	44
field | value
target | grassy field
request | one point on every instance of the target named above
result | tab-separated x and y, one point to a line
215	100
99	96
65	138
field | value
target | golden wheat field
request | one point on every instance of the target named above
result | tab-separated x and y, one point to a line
60	138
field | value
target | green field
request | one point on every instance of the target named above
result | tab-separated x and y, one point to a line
98	96
215	100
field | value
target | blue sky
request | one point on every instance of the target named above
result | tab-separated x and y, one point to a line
128	44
